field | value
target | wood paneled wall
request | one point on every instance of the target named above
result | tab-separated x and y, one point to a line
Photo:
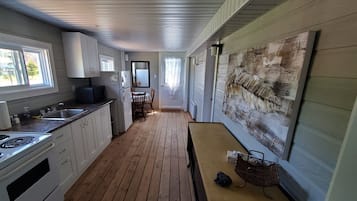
20	25
228	8
330	91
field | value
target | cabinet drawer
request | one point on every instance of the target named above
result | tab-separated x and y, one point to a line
66	167
63	150
67	173
66	164
61	135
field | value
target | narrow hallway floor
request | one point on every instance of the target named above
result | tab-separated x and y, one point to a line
148	163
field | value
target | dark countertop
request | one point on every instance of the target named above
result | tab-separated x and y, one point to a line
47	126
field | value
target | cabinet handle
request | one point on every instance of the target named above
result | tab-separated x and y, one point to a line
64	162
63	150
59	136
83	124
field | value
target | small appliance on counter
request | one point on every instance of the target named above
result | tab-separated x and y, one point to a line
90	94
5	122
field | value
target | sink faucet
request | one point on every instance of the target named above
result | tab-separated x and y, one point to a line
60	106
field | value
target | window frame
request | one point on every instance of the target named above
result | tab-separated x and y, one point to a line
102	56
50	81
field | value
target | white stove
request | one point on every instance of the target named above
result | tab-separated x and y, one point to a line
27	167
14	145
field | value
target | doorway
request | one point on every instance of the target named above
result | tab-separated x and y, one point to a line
172	80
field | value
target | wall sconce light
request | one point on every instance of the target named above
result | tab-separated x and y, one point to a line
126	57
216	49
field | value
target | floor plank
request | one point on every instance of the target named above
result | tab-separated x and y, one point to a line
148	163
164	192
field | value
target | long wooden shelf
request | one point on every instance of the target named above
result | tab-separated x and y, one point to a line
208	144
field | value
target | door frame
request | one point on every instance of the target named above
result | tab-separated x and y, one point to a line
162	56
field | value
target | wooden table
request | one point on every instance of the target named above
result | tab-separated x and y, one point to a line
207	146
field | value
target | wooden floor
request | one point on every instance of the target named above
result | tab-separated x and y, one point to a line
147	163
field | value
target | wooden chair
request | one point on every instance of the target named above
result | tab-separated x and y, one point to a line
152	95
138	103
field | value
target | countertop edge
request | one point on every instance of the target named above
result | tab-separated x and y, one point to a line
48	126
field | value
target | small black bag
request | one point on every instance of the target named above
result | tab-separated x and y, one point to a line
223	180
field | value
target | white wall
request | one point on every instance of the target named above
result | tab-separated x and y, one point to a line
17	24
112	83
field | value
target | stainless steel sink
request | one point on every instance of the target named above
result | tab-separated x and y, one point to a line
61	115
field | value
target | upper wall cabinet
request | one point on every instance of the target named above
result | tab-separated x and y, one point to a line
81	54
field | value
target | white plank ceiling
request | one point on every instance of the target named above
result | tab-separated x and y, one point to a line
133	25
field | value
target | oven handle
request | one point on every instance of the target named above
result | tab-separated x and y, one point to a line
27	162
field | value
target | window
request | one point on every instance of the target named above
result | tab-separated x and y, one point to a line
106	63
172	73
26	68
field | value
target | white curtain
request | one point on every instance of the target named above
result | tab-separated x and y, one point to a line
172	73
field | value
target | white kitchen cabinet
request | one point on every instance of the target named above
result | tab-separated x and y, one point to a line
80	147
66	161
99	130
84	138
103	127
106	122
90	137
81	55
79	143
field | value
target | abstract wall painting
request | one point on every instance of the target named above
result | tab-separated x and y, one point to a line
264	87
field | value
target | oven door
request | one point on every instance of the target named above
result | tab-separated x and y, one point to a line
34	177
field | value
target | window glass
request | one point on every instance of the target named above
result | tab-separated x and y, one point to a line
11	68
172	72
25	68
106	63
34	67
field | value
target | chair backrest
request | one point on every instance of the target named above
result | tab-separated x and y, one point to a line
139	99
152	94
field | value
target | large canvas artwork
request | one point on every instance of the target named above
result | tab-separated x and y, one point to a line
264	86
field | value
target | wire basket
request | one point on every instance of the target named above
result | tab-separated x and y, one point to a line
256	170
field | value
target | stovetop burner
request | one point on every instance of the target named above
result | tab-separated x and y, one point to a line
15	142
3	137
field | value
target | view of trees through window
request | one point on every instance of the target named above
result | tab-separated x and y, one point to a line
26	68
13	71
32	60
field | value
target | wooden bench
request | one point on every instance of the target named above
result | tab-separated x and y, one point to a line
207	147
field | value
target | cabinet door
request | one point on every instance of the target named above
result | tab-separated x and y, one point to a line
80	146
106	122
99	130
92	67
89	136
84	56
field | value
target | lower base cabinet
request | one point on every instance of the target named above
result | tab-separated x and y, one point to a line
65	157
79	143
79	139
